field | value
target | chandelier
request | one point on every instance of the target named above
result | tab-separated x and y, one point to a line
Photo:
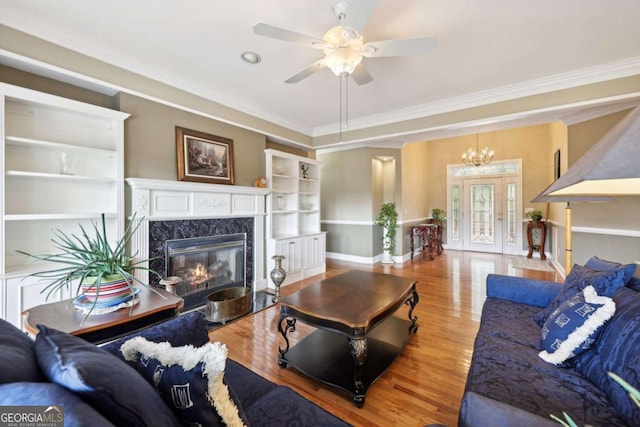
476	157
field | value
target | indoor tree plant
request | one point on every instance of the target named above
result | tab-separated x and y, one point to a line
388	220
93	263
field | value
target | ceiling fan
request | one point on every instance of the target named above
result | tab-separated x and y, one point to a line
343	45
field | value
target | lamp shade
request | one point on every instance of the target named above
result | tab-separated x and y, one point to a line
611	167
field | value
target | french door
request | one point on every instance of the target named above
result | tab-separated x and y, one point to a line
485	207
482	216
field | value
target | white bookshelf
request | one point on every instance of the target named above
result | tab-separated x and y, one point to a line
37	130
293	215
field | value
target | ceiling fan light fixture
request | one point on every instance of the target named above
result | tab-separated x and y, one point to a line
343	52
343	61
339	37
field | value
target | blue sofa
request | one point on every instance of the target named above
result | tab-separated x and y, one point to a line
97	387
510	384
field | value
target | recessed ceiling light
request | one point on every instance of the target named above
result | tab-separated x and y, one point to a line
251	57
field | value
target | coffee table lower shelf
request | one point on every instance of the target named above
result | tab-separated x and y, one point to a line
325	356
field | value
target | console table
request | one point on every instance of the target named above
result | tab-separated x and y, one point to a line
430	235
63	316
357	337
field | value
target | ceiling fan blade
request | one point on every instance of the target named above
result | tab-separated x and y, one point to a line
358	13
316	66
361	76
288	36
399	47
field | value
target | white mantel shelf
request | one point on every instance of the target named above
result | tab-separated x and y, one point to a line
157	199
161	200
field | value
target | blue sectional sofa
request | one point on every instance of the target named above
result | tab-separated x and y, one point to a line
96	387
510	384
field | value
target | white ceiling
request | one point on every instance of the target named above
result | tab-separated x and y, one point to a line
506	47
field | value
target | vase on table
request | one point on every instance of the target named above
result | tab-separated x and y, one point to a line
278	274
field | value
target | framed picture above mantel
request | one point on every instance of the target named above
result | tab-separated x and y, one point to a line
203	157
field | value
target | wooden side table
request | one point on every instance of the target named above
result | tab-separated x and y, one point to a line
437	235
430	235
98	328
533	225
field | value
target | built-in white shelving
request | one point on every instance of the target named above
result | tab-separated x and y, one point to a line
293	215
62	167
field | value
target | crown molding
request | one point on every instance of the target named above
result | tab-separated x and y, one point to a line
613	70
617	69
392	145
100	52
593	113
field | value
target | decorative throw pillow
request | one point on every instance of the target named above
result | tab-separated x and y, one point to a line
604	265
107	383
189	328
573	327
604	282
189	379
634	282
17	357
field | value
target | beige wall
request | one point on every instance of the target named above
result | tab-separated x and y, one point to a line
353	190
532	144
416	187
150	149
558	137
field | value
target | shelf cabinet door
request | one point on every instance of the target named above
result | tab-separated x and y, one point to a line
314	254
291	249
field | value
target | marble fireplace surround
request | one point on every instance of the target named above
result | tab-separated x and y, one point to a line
180	202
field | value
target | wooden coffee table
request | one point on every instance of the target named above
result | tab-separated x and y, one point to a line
62	316
358	305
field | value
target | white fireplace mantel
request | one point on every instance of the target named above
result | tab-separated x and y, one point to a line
157	199
162	200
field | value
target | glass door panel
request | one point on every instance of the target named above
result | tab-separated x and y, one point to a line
483	215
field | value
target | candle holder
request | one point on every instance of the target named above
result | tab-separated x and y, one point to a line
278	274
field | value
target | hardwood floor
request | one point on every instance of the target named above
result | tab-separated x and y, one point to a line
424	385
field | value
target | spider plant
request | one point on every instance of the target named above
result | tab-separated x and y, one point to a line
90	260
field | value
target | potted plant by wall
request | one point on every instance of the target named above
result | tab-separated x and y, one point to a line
388	220
438	214
103	273
535	215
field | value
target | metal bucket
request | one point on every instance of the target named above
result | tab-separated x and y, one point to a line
228	304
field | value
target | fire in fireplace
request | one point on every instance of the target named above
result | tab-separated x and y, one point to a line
206	264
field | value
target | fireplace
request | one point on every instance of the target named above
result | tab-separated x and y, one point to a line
170	211
206	254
